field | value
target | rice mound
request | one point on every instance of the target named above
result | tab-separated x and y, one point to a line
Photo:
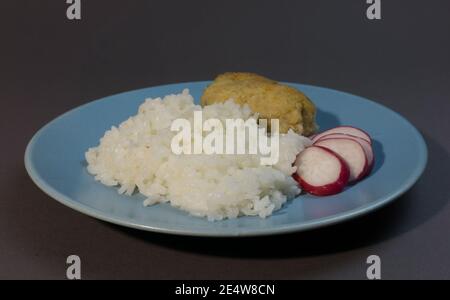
137	156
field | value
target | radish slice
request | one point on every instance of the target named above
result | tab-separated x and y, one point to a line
348	130
365	144
321	172
353	154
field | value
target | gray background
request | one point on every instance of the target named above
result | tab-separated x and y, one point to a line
49	65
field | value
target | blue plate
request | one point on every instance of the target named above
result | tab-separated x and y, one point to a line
55	161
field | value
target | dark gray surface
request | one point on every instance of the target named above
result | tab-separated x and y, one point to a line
49	65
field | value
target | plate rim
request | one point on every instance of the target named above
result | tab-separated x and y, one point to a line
285	229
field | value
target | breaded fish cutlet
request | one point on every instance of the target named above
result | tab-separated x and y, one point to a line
268	98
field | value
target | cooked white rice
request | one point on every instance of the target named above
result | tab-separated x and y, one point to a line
137	156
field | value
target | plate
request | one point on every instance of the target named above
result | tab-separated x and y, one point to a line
54	159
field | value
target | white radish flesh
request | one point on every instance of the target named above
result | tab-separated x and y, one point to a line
352	153
321	172
365	144
348	130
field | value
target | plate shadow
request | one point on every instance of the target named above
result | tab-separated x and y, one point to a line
406	213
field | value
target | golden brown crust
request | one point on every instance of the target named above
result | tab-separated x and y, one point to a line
269	98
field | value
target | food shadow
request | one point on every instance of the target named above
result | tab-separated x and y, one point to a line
326	120
379	156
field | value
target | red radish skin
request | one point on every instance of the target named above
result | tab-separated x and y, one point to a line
347	130
296	177
331	187
365	144
351	152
